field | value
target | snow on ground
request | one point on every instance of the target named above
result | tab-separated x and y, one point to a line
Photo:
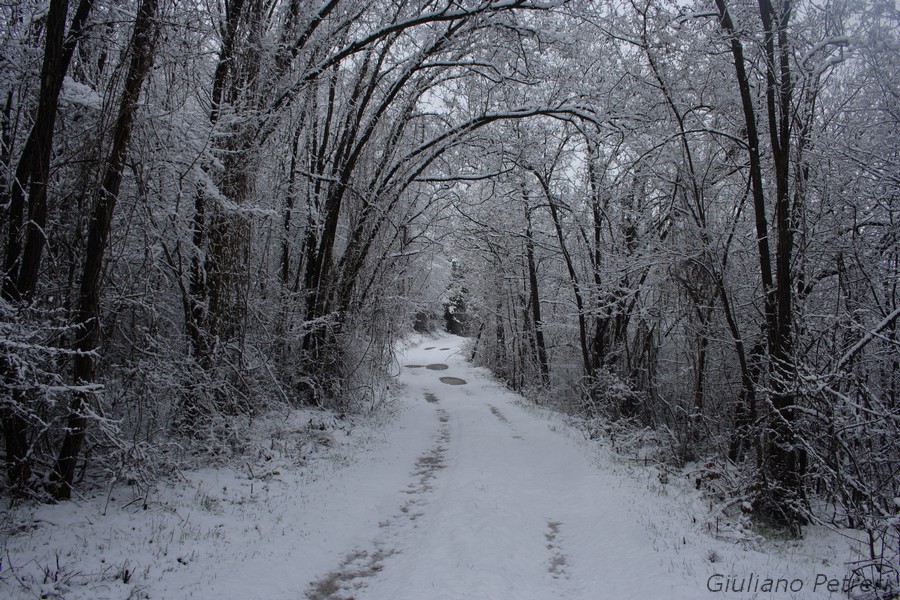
460	490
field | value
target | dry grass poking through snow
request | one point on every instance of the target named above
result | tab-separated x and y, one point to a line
123	541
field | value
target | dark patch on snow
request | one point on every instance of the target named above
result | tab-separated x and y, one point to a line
429	397
356	566
445	349
502	418
413	366
453	381
437	367
558	560
496	412
430	348
351	576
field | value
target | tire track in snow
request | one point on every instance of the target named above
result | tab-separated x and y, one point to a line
502	418
360	565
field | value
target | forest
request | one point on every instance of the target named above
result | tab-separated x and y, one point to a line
672	218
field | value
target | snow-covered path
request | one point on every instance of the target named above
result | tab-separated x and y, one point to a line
458	490
500	505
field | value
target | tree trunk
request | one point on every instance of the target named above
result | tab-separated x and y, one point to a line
15	434
198	321
539	344
783	448
782	470
573	277
696	417
87	319
25	239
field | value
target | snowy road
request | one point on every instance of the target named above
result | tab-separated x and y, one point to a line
500	505
458	490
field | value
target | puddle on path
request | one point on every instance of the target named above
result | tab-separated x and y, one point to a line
413	366
444	349
437	367
453	381
430	348
429	397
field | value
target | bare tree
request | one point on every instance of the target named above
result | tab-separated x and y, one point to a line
142	48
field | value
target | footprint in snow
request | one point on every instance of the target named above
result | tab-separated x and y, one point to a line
359	566
356	567
558	560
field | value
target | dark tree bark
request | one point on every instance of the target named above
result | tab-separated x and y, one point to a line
87	318
573	275
289	203
537	323
783	465
25	239
5	148
198	313
783	449
601	322
753	152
